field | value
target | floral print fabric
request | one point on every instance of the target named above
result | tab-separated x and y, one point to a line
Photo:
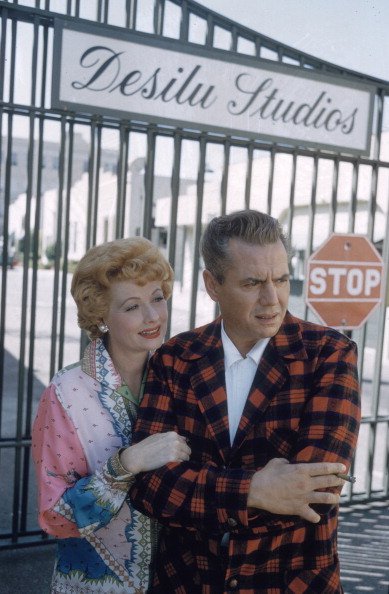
83	418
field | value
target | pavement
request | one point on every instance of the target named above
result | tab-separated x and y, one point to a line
363	551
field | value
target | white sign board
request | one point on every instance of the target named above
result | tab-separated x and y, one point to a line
135	76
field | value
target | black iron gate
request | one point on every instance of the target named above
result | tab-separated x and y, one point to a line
70	180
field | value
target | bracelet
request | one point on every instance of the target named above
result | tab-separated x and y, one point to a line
117	469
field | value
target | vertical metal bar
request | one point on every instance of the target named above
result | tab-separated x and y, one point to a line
30	373
58	250
65	247
34	280
312	213
386	463
258	45
92	199
224	180
106	12
370	232
197	231
372	201
96	183
381	94
175	188
353	202
210	31
159	11
249	174
99	10
292	196
234	39
122	181
131	10
23	325
149	183
334	194
77	9
376	384
184	25
271	180
3	295
377	148
37	226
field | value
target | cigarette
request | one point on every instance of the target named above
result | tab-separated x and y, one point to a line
347	477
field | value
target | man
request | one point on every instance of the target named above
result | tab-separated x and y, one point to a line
269	405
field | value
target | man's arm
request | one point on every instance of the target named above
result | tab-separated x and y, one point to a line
214	498
328	432
191	494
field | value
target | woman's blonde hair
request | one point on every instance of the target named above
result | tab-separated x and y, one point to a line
135	259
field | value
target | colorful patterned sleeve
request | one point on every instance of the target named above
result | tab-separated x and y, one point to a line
71	501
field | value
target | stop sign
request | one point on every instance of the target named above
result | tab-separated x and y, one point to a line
344	281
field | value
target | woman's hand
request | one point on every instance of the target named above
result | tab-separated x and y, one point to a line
155	451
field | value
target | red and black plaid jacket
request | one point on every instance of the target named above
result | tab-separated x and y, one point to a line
303	406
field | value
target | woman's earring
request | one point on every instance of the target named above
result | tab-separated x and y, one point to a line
103	328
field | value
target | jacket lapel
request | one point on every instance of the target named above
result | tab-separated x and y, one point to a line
272	373
205	358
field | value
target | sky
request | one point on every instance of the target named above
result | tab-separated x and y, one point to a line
351	33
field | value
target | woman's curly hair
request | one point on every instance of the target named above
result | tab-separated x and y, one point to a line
135	259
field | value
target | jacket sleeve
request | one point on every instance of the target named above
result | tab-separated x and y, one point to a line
206	497
329	427
72	501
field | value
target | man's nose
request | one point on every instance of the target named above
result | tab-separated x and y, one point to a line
268	294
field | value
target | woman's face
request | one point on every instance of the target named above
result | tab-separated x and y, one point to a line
137	317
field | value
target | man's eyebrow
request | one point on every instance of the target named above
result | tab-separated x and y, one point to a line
256	280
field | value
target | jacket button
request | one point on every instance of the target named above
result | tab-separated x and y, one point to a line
232	523
233	584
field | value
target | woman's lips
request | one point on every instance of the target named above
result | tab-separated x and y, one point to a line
152	333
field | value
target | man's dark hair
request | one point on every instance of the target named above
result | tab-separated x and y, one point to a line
250	226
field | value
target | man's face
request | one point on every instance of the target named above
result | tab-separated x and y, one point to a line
254	296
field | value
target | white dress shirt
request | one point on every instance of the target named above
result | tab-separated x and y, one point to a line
240	372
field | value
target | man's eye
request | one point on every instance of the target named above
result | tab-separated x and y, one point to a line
252	283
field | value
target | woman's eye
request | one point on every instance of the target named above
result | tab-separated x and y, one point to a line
159	298
132	308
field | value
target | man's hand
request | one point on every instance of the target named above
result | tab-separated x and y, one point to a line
289	489
155	451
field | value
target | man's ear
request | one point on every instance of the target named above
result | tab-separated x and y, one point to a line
211	285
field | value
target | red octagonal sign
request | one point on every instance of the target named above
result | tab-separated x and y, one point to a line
344	281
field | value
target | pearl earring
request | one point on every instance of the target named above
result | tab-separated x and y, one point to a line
103	328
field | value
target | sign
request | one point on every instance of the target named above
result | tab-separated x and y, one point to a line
344	281
135	76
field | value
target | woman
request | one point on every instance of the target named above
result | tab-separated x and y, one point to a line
82	433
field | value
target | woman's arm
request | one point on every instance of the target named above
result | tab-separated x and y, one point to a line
70	498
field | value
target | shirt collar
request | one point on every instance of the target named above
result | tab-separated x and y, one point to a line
232	355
